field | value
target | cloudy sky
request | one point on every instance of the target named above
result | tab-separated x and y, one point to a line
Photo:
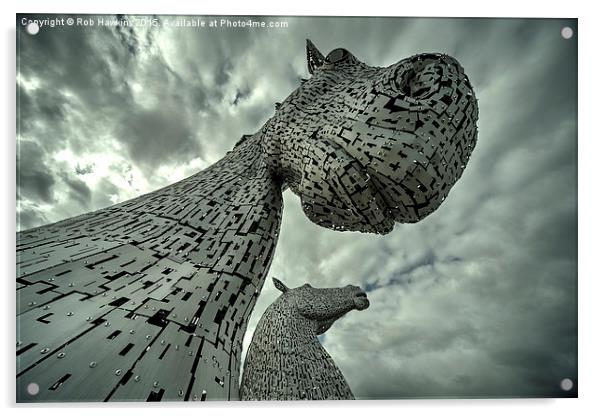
479	299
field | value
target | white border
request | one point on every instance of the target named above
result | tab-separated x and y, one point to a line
590	104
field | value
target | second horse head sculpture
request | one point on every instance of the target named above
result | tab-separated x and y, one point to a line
285	360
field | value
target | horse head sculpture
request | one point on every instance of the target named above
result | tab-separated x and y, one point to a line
365	147
321	307
285	360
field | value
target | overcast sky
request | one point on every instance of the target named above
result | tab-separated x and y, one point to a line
479	299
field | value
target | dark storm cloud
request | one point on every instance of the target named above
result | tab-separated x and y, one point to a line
25	110
30	218
151	135
42	107
241	95
82	170
127	36
222	75
479	299
106	193
34	178
85	67
78	190
84	91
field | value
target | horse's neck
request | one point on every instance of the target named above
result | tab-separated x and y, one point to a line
209	239
286	361
228	215
224	219
291	333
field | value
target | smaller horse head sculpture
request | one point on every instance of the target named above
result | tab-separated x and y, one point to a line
323	306
285	360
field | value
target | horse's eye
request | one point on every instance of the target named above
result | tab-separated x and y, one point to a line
336	55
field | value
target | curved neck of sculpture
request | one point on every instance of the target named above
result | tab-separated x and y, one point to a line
292	330
232	212
191	258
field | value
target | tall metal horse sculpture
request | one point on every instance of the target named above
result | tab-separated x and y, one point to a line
285	360
149	299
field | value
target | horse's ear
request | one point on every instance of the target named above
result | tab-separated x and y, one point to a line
315	59
279	285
